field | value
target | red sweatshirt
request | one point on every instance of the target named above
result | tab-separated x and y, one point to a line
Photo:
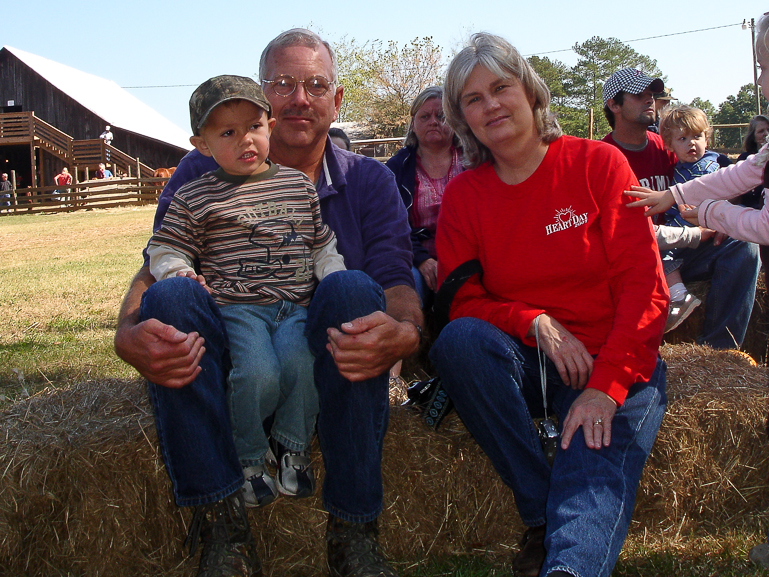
562	243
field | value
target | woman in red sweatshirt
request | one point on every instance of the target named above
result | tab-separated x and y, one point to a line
568	271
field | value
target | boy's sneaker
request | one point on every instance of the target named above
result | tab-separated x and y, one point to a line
259	488
295	474
679	310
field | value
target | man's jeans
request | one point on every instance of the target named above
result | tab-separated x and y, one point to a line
732	267
353	416
587	498
193	422
271	374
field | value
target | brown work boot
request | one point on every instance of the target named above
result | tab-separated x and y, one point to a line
353	550
229	548
529	560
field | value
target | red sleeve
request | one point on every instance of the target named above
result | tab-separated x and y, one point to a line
636	279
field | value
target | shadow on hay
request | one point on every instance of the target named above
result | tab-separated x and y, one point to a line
84	491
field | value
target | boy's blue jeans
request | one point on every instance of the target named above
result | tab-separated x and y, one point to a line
271	374
586	499
193	422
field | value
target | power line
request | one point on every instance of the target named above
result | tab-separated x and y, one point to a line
527	55
647	38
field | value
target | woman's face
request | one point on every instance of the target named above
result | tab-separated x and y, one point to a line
429	125
762	129
497	110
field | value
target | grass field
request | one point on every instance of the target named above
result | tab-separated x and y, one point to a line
62	278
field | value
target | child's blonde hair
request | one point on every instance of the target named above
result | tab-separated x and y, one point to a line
689	119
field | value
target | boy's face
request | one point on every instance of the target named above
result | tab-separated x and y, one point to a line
237	135
687	146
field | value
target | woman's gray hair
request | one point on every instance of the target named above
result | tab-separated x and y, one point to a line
501	58
296	37
427	94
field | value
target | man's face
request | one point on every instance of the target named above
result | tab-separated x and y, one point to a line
636	109
302	120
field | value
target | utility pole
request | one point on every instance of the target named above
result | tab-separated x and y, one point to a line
752	26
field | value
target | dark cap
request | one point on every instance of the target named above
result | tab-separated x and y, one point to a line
220	89
631	81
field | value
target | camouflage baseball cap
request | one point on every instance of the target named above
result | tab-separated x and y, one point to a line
631	81
220	89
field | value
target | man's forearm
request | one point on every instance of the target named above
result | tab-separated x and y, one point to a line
129	309
402	304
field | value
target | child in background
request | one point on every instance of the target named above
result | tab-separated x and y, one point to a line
711	209
255	230
685	131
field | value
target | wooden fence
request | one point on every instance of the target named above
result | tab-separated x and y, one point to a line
81	196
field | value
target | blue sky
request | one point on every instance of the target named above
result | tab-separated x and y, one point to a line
167	43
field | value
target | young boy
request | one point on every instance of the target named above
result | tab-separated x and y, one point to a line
685	131
255	232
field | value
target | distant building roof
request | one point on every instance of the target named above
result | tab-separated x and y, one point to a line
106	99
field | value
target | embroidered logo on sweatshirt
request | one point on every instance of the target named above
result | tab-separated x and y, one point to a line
566	218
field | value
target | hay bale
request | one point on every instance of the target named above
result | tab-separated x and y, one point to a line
84	491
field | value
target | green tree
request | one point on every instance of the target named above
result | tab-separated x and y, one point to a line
381	81
736	109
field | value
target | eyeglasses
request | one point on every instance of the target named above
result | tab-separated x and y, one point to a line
284	85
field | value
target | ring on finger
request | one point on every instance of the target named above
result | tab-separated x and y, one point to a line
598	421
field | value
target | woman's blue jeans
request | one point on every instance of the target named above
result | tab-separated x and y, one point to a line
586	499
193	422
271	374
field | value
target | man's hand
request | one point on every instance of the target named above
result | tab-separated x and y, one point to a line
368	346
657	201
429	271
568	354
593	410
162	354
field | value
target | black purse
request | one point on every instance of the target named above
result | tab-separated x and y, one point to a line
429	397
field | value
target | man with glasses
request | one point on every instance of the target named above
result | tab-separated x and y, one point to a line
360	322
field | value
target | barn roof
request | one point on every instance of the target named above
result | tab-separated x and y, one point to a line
106	99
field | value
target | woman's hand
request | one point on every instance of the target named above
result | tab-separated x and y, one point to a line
657	201
429	270
593	410
568	354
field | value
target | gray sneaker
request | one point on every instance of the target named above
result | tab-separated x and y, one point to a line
259	488
295	475
679	310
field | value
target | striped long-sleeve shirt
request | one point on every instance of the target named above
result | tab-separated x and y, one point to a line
255	239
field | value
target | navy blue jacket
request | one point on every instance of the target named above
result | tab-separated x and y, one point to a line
404	167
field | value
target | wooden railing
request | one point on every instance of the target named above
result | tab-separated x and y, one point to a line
23	127
85	195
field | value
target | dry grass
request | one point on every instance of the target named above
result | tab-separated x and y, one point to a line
84	492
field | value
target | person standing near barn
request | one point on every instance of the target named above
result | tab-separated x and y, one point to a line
5	188
63	179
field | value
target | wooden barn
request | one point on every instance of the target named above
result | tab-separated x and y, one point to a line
52	116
